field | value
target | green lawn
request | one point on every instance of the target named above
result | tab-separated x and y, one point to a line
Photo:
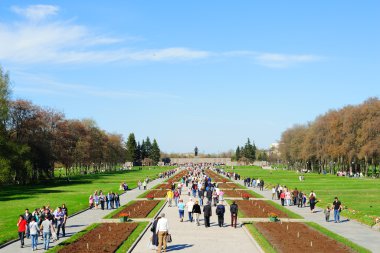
359	196
14	199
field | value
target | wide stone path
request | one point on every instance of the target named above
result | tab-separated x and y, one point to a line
188	237
350	229
78	222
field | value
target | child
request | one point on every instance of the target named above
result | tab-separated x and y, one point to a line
327	213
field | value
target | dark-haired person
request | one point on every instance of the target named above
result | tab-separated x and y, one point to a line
234	213
22	225
34	232
337	209
27	218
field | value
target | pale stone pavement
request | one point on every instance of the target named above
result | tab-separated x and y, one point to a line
190	238
78	222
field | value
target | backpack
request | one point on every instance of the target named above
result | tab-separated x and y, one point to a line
219	210
233	209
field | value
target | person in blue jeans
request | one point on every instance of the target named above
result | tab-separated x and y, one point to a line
181	209
34	232
47	229
337	209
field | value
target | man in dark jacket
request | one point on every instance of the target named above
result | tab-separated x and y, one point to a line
207	212
220	210
234	213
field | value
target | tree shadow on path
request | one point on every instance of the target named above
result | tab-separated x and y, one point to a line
178	247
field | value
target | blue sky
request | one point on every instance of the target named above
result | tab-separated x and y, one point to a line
205	73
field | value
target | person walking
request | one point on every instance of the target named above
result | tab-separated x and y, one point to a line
327	213
47	230
189	206
288	197
337	209
155	235
169	196
220	210
139	184
162	231
312	201
176	197
21	224
197	212
28	219
61	222
144	184
207	212
234	213
34	232
181	209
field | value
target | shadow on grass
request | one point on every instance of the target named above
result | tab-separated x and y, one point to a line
16	192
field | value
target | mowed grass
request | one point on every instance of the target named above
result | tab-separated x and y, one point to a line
359	196
75	194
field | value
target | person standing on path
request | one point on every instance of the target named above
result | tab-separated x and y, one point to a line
207	212
162	231
189	206
34	232
27	218
47	229
21	224
170	195
196	211
181	209
234	213
262	185
176	197
220	210
337	209
144	184
139	184
288	197
312	201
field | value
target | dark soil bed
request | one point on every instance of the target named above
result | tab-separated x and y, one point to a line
258	209
107	237
178	177
236	193
216	177
228	186
286	240
163	186
138	209
156	193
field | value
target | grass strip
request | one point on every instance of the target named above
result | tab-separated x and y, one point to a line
73	238
285	210
156	209
111	214
132	237
338	238
260	239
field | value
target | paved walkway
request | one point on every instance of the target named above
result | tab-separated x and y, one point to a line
350	229
188	237
79	222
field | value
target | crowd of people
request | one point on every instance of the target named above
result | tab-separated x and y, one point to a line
202	194
44	222
97	200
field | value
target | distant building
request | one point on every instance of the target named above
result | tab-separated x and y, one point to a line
274	149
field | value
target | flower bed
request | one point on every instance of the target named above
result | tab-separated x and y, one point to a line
216	177
258	209
299	238
163	186
229	186
178	177
237	193
155	193
107	237
138	209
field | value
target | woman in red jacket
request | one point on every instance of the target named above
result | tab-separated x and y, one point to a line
21	224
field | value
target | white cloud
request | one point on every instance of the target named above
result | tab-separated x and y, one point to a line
65	42
36	12
275	60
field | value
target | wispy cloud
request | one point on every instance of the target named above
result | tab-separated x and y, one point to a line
37	84
63	42
36	12
275	60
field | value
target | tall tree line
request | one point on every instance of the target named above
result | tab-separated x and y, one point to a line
34	139
347	140
146	152
246	153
